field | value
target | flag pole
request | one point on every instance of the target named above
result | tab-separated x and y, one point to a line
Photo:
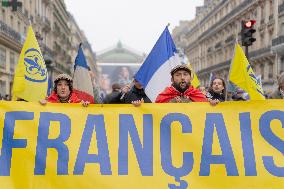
80	44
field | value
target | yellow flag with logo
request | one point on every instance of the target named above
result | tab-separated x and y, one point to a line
30	80
242	75
194	82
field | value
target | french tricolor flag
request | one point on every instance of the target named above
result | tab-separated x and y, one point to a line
154	74
82	81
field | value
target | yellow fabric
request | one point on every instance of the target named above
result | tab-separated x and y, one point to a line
194	82
30	80
242	75
22	175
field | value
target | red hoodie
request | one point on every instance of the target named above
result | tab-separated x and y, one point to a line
53	98
170	92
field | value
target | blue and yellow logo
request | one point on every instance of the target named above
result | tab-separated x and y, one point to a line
35	66
255	80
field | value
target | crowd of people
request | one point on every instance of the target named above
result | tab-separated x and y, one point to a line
180	91
5	97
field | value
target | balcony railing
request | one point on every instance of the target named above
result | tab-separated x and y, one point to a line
277	41
230	38
4	28
220	66
259	52
218	45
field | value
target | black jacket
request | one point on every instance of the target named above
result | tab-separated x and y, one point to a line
135	94
215	96
113	98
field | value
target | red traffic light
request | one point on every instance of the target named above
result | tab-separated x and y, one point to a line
249	24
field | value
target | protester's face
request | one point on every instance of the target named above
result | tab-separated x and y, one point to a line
181	80
63	90
105	82
217	86
124	72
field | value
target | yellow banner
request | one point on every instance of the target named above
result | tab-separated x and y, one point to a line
234	145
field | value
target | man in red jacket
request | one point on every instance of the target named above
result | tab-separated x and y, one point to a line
181	89
63	91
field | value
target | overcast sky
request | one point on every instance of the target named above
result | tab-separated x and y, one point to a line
137	24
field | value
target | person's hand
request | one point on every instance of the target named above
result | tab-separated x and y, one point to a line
125	89
213	102
178	99
137	103
42	102
85	103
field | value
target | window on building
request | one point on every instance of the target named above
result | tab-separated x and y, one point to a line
19	27
262	38
271	2
282	64
233	3
282	29
262	13
2	88
270	71
25	30
3	15
12	62
12	22
255	13
262	70
2	58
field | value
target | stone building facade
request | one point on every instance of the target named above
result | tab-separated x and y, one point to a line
208	40
55	31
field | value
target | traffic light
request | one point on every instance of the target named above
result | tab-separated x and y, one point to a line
247	33
12	3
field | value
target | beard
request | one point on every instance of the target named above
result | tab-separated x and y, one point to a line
181	86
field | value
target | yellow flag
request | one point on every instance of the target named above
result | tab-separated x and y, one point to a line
242	75
194	82
30	80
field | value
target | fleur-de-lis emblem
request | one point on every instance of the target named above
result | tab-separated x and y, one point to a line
35	67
